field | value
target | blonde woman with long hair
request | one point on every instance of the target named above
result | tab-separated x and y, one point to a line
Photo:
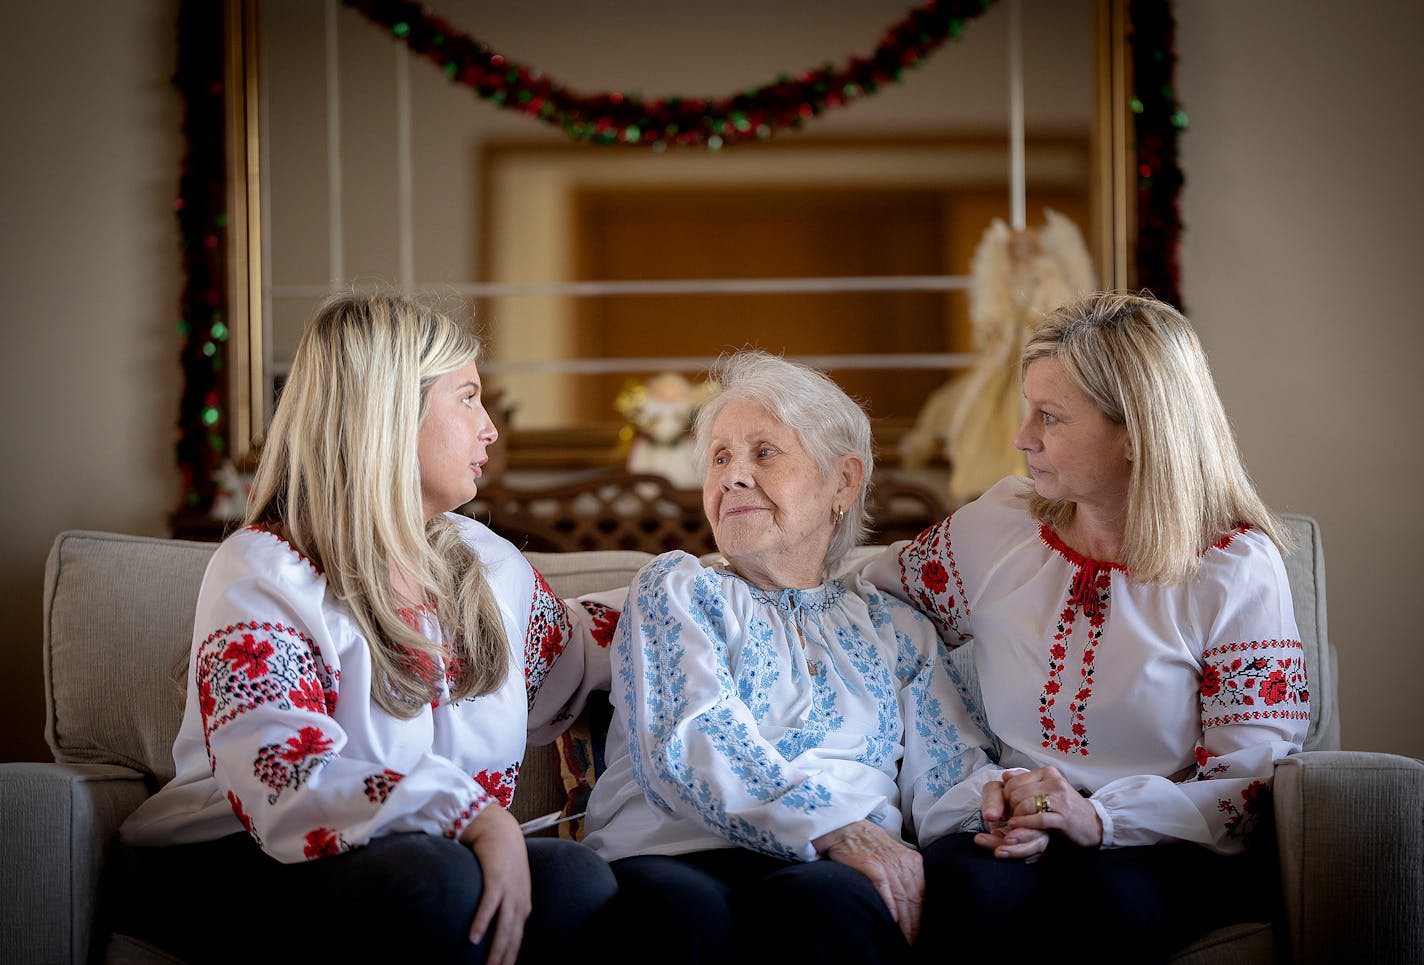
366	669
1137	652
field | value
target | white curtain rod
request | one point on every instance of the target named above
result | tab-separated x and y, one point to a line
686	363
687	286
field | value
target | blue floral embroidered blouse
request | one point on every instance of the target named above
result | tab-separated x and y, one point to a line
747	718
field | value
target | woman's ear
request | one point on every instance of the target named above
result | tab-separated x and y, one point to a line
851	473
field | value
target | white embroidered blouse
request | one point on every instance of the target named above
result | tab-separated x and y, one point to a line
1168	704
764	720
280	734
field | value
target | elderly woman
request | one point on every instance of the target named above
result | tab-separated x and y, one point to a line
1137	652
772	724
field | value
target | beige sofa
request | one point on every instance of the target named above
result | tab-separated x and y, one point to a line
117	613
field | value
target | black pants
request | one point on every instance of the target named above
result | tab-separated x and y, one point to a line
1075	904
403	897
738	906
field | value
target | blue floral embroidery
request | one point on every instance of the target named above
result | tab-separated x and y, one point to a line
822	719
883	746
756	671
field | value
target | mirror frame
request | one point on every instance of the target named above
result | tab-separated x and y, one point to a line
1113	200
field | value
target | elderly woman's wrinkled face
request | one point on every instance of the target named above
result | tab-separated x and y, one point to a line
771	510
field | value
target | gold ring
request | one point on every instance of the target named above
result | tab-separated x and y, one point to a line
1040	801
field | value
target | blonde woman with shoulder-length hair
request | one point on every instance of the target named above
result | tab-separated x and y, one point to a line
1137	652
366	669
1143	367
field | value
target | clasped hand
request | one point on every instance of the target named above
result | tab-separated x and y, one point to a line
1019	827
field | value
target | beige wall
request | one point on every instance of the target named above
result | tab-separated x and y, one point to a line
89	254
1301	209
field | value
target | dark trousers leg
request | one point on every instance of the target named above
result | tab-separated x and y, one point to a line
670	909
731	904
403	897
823	911
571	891
1100	905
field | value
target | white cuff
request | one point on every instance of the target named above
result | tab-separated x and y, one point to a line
1106	819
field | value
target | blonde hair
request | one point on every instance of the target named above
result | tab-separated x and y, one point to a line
829	423
1138	359
340	475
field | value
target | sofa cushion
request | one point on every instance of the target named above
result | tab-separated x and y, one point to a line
574	574
118	615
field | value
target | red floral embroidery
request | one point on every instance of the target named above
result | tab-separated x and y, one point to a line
1088	595
466	815
292	762
249	655
605	622
1254	680
379	786
500	784
246	665
236	804
1255	802
322	843
927	569
549	633
414	616
935	576
1211	682
207	703
1203	758
1274	689
309	742
308	695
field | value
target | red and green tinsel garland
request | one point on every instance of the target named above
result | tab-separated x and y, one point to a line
1157	122
201	209
617	118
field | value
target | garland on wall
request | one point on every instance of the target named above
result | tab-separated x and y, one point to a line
201	209
1157	121
605	119
617	118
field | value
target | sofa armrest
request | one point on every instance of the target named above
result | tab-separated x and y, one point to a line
1350	827
57	824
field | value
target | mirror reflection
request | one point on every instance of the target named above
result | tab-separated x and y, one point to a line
600	274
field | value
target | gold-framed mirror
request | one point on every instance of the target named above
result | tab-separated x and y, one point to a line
492	166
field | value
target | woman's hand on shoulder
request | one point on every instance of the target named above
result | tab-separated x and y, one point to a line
498	843
895	869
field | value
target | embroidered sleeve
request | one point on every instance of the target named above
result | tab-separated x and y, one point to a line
948	755
566	655
923	572
696	749
267	689
1255	708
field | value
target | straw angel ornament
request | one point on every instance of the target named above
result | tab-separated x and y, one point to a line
1017	277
